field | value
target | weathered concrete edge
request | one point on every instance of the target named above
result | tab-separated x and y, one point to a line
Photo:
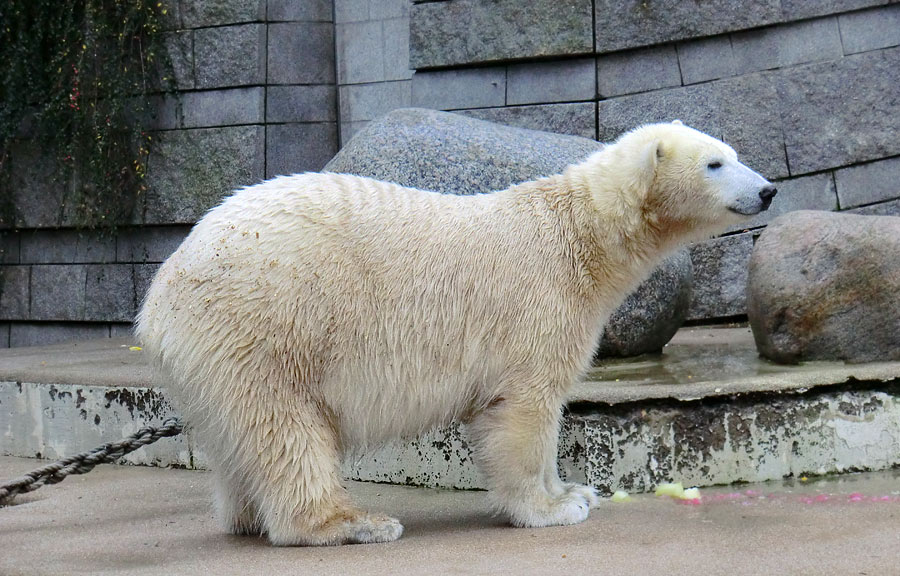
819	375
634	445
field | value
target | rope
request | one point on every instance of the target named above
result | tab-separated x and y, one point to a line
85	461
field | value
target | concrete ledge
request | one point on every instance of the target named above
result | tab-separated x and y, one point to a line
708	411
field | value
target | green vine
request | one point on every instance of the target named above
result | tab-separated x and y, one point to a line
76	80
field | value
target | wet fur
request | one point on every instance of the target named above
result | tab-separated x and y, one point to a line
320	312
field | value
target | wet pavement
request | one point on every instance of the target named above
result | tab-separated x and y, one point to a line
698	362
711	361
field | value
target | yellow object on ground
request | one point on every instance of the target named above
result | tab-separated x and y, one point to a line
620	496
677	490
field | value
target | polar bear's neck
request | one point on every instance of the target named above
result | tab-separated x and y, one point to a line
607	236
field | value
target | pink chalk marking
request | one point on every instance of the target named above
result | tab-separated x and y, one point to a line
821	498
751	493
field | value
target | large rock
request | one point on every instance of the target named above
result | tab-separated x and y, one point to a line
453	154
651	315
826	286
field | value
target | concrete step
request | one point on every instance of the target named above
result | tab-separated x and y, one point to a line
708	411
149	521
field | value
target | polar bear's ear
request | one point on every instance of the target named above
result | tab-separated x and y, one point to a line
678	122
650	156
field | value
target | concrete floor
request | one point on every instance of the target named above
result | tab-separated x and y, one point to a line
133	520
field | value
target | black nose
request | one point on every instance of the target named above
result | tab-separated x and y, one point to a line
767	193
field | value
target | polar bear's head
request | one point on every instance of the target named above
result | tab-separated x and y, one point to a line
682	180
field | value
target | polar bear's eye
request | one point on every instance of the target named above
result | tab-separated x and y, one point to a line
714	165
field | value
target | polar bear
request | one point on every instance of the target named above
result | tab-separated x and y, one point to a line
315	313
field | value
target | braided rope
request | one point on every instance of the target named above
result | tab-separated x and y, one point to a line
85	461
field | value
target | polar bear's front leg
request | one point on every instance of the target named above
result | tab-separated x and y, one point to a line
515	441
234	507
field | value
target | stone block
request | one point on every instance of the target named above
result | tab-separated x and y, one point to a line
230	56
180	48
633	23
637	71
46	333
577	118
360	52
720	277
109	293
706	59
301	53
149	243
470	31
36	191
742	111
9	247
190	171
842	112
57	292
15	292
143	277
4	335
870	29
223	107
799	9
386	9
868	183
121	330
164	112
814	192
350	11
369	101
349	129
301	104
396	49
786	45
555	81
303	11
296	148
67	247
203	13
455	89
889	208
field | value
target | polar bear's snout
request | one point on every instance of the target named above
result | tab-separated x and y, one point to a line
766	194
746	192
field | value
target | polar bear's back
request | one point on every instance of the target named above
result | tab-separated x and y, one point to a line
349	280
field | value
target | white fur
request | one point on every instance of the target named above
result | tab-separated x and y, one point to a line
320	312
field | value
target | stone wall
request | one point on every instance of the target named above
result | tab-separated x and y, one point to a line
257	98
807	92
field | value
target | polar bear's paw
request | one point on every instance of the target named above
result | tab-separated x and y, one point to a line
348	528
583	491
371	529
571	507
